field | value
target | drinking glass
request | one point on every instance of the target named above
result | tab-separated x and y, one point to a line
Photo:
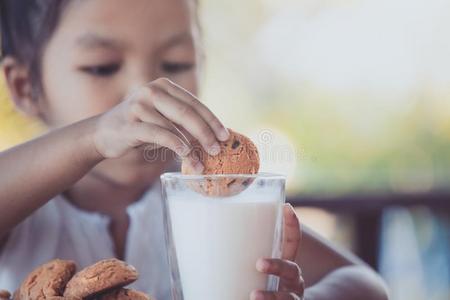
216	228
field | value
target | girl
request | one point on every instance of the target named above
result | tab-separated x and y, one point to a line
83	191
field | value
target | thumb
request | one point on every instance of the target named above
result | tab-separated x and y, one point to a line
292	234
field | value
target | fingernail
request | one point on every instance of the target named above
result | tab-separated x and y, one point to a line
262	265
198	167
224	134
290	208
214	149
256	295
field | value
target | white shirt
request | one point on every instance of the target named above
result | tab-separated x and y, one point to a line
60	230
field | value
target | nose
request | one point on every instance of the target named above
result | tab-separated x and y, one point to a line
138	75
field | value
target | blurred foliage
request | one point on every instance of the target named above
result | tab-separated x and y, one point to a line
14	126
379	132
345	140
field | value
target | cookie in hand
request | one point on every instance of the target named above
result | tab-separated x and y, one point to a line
238	155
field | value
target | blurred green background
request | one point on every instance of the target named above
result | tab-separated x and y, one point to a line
356	90
344	97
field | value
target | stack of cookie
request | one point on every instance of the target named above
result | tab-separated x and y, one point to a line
57	279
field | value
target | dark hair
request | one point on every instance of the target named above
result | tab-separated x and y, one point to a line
26	27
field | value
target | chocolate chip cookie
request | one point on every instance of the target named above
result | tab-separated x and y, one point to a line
238	155
4	295
123	294
48	280
102	276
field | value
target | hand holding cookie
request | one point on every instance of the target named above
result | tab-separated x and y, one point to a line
156	114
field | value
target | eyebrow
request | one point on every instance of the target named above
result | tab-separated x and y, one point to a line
179	38
91	40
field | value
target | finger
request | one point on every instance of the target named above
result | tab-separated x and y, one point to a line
184	115
154	134
142	111
187	138
295	285
292	233
195	157
184	95
285	269
265	295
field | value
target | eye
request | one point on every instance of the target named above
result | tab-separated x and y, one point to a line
101	70
172	68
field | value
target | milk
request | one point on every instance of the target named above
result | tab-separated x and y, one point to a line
218	241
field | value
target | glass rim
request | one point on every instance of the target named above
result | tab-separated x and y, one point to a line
261	175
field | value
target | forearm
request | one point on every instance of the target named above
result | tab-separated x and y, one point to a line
347	283
34	172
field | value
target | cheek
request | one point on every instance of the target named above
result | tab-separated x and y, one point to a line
71	97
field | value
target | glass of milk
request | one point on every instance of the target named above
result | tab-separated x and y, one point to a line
214	242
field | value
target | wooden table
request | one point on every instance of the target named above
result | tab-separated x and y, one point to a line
367	210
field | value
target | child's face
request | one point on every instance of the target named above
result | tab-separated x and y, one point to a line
104	48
